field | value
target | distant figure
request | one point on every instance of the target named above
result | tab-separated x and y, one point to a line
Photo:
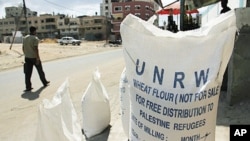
172	25
224	6
31	53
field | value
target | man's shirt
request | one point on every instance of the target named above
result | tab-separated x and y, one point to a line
30	45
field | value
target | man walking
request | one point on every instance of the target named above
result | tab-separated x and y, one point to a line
31	53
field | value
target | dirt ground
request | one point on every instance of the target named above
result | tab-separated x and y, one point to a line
227	115
48	51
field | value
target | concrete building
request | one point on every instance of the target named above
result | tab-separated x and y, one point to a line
106	7
120	10
93	27
116	10
87	27
55	26
46	25
68	27
18	12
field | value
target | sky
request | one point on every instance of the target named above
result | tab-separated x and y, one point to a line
70	7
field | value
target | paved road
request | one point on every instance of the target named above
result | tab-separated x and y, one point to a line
12	81
19	110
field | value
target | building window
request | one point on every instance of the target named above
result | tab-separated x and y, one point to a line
50	20
73	23
118	8
127	7
137	7
36	21
138	14
96	21
147	16
23	22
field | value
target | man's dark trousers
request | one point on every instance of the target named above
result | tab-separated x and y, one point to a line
28	68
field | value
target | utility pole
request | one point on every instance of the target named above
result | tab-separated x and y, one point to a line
182	13
25	16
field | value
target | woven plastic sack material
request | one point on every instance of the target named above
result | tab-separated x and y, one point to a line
125	102
95	107
175	79
58	119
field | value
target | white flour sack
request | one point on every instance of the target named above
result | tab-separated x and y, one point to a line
175	79
95	107
58	119
125	102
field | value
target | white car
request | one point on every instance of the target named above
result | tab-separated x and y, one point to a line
68	40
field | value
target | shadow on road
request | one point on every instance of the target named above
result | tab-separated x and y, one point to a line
235	114
32	95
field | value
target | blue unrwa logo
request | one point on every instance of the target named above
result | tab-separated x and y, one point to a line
239	132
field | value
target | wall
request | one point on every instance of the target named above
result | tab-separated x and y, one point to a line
238	68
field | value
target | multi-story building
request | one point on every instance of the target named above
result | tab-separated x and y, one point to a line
68	27
93	27
88	27
105	8
46	25
18	12
120	10
117	10
8	25
56	26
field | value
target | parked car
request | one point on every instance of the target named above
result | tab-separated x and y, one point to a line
115	43
68	40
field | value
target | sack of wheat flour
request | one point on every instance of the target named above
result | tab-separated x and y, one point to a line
124	102
95	107
57	120
175	78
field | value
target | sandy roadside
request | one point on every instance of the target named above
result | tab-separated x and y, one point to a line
48	51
